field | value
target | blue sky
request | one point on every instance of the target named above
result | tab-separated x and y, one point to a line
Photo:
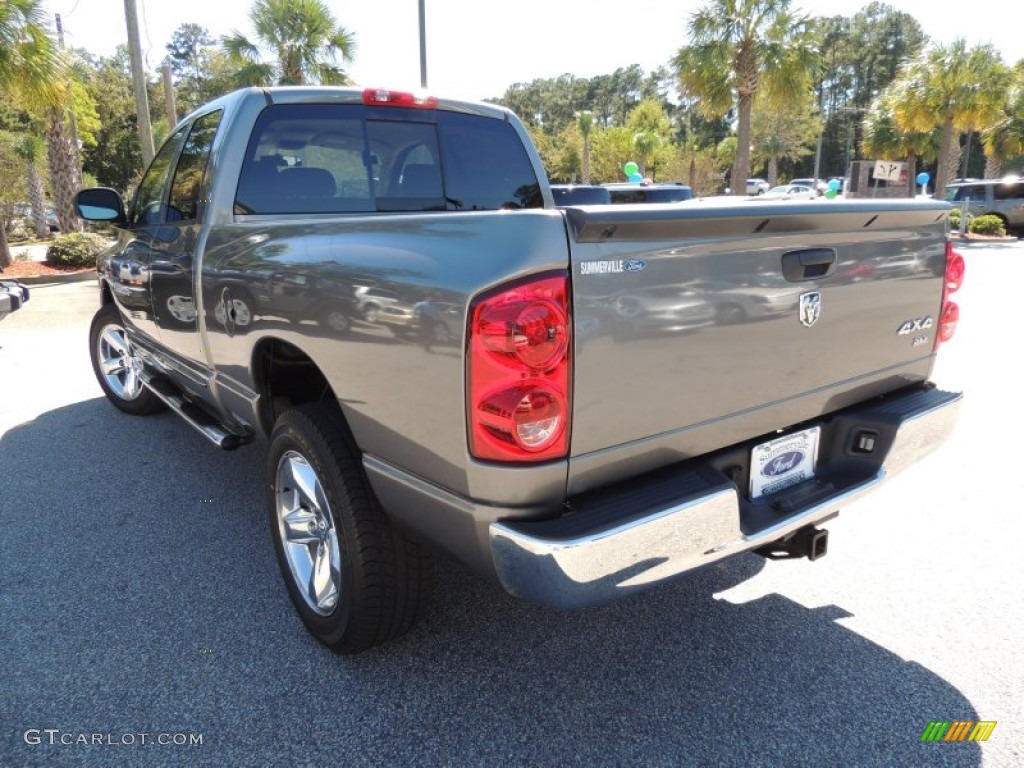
477	48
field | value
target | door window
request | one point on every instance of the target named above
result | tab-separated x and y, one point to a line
149	200
977	193
191	171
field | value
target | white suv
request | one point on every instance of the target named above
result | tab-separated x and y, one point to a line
757	186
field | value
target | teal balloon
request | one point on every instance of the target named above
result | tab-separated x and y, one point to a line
830	194
636	178
833	185
631	169
922	178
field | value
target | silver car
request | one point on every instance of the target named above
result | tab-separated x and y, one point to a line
997	197
791	192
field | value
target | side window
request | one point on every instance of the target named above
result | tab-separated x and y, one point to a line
191	170
307	158
148	209
486	167
1009	191
977	193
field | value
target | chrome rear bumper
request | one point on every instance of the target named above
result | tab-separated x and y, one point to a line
647	536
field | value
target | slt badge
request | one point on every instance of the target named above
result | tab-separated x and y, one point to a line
810	307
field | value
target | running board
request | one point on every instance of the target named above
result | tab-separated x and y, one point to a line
214	431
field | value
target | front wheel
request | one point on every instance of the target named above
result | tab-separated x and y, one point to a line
355	581
116	365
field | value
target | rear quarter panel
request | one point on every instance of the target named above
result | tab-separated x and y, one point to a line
404	399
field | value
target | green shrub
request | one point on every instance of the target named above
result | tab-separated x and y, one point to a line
954	219
78	249
987	225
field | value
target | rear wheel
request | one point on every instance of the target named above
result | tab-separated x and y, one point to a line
355	580
116	365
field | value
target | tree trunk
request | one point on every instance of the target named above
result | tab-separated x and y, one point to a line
911	174
993	167
773	171
741	168
37	198
585	173
693	170
5	250
63	173
942	174
953	164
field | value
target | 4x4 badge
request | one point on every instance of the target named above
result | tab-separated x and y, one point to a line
810	307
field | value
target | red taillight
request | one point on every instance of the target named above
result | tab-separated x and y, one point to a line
955	269
384	98
947	323
519	368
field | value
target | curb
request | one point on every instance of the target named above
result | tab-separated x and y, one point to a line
69	277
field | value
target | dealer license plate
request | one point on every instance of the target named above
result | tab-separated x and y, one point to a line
783	462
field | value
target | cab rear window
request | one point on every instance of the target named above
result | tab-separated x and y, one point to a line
318	158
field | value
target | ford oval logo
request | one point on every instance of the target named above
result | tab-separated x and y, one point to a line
634	265
782	463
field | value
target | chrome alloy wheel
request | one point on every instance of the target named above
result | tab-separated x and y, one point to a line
308	536
120	367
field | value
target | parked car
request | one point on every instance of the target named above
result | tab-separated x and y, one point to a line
1003	198
21	222
371	299
817	185
757	186
791	192
12	296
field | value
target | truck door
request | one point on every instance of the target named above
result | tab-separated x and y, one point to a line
174	244
130	268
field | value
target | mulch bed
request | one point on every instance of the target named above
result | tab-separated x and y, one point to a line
36	268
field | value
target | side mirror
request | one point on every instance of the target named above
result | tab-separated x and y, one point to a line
100	204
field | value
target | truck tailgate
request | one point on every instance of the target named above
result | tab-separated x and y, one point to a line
701	325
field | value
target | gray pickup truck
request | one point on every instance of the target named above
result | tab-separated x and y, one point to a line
577	402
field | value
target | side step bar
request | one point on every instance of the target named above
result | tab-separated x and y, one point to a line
214	431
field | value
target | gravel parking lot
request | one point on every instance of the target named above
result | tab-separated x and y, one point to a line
139	595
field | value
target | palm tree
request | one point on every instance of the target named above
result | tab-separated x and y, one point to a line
786	132
885	139
29	149
646	144
737	48
29	64
1004	139
953	88
585	122
305	38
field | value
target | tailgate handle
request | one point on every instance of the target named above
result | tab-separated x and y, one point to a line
808	264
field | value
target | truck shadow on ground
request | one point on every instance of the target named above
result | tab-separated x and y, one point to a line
141	593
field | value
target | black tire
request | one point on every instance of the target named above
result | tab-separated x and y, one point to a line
383	578
123	388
